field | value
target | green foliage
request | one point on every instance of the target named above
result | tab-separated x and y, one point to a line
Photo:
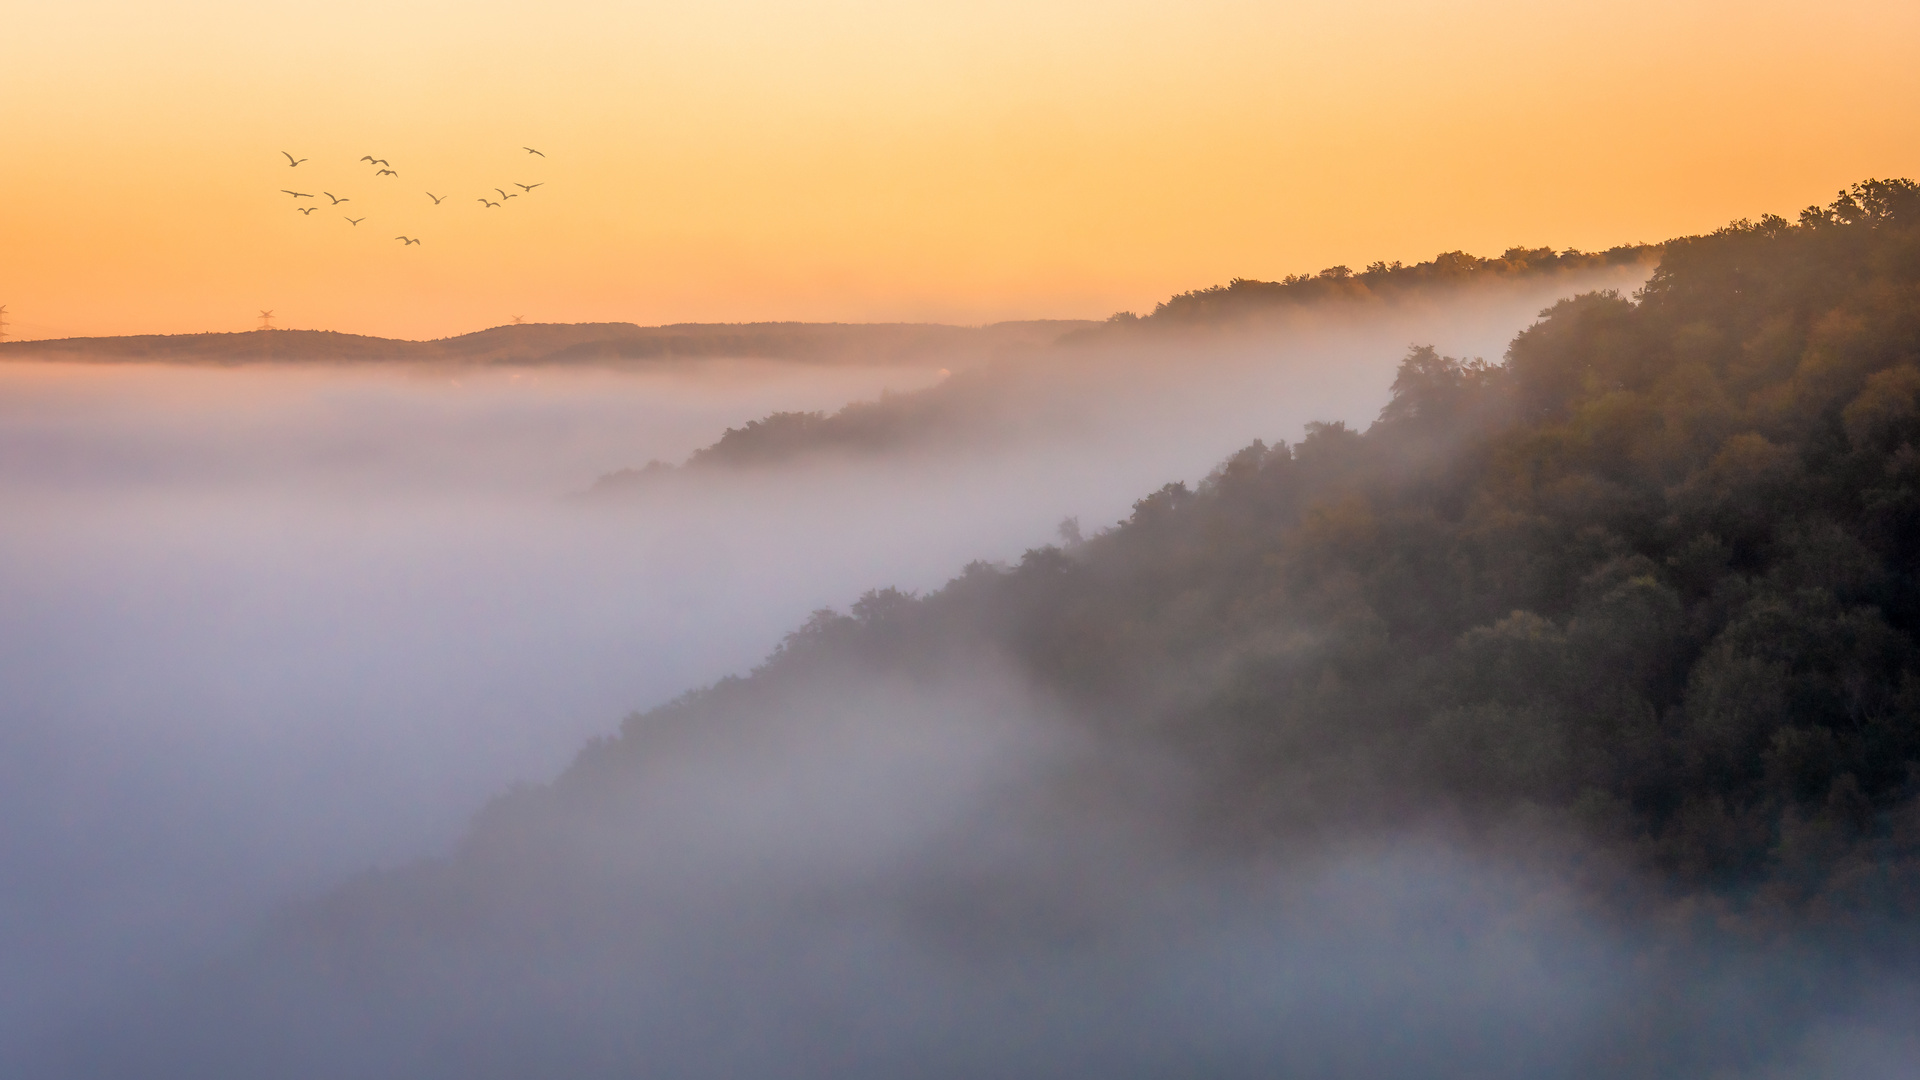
1654	575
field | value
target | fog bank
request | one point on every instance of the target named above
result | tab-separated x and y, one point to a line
263	628
935	877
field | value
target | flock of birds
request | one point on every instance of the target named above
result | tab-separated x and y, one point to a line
386	169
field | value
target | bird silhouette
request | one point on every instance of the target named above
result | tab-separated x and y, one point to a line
297	194
437	199
375	160
386	172
337	200
354	220
291	161
529	187
486	203
531	150
406	240
504	196
306	209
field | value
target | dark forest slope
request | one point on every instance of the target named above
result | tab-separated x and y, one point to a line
1656	574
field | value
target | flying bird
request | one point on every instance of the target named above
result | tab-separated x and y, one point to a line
484	201
531	150
306	209
375	160
504	196
337	200
354	220
297	194
529	187
406	240
386	172
291	161
437	199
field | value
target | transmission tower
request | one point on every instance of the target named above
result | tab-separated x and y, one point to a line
3	322
266	320
517	319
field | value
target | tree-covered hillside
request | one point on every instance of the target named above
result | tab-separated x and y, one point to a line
1654	576
1108	368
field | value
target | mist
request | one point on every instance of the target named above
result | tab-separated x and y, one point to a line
265	629
1104	418
936	877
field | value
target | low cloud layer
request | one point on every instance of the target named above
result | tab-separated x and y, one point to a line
266	628
938	878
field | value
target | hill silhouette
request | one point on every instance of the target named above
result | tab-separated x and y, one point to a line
601	344
1240	301
1246	298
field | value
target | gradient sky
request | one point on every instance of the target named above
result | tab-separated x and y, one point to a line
863	161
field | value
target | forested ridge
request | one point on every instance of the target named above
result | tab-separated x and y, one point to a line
1653	578
998	401
1249	297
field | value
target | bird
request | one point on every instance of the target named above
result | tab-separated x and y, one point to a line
437	199
306	209
504	196
297	194
337	200
291	161
529	187
354	220
406	240
531	150
484	201
375	160
386	172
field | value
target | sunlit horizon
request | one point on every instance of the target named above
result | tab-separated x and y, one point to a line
854	162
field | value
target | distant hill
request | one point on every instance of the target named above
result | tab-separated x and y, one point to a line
1241	300
1002	401
597	344
1246	298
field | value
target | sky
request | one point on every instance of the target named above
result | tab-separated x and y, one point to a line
857	161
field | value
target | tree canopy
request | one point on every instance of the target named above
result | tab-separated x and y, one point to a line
1653	576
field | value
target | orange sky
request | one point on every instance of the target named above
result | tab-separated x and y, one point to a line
855	160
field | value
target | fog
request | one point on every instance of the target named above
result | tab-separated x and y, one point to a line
937	878
264	628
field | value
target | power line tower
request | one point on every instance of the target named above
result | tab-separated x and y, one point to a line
517	319
266	320
3	322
